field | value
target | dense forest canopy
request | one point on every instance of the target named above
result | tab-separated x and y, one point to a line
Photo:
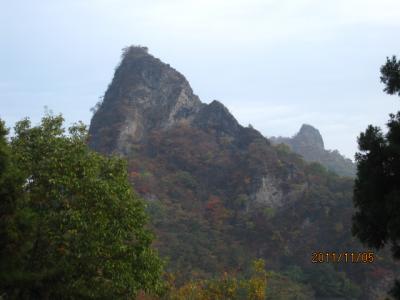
71	226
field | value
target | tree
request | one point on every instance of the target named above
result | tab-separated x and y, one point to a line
391	75
72	228
376	221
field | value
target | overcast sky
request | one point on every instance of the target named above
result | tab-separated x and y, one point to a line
274	64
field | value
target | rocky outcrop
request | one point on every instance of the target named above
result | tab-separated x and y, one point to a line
308	143
308	136
215	116
269	194
145	94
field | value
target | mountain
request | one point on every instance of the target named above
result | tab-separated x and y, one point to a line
144	95
220	194
309	144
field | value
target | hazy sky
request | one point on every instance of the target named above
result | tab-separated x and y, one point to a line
274	64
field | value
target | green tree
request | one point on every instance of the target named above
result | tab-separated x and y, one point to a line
390	72
377	186
72	228
15	218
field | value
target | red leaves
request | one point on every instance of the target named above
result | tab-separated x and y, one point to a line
215	210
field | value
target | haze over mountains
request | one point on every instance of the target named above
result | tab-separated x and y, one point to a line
220	194
309	143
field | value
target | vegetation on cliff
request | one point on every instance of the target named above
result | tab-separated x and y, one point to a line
219	194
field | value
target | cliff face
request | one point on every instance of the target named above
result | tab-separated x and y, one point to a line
219	194
144	95
308	143
308	136
147	99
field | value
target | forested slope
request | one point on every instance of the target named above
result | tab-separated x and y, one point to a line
220	194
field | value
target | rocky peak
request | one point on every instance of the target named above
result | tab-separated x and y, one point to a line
145	94
216	116
308	143
310	136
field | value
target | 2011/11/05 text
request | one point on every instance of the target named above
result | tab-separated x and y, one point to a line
343	257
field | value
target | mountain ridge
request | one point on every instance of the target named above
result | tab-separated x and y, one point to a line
308	143
218	193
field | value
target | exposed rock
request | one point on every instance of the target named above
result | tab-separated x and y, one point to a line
308	136
145	94
308	143
269	194
215	116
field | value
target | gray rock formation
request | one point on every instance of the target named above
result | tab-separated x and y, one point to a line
144	94
308	143
147	94
308	136
216	116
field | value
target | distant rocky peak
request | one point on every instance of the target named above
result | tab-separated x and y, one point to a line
308	143
311	136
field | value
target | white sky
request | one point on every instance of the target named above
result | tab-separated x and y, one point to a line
274	64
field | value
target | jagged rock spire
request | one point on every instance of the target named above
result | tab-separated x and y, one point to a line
144	94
